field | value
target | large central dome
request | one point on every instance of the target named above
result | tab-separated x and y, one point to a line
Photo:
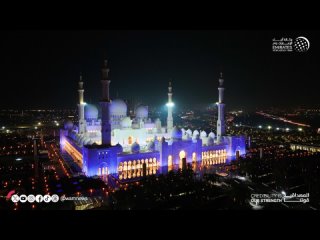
90	111
118	107
142	112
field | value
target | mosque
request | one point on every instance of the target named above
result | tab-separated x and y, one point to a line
116	143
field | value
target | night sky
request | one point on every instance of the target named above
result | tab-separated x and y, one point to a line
40	69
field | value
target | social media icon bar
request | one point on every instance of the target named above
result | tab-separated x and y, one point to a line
38	198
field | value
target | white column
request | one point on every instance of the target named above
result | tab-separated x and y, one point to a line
221	105
82	121
169	105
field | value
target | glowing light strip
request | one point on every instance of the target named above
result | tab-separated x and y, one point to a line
282	119
73	152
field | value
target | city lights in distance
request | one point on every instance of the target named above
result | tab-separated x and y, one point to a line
287	129
259	126
278	128
269	127
3	127
35	127
170	104
39	123
299	129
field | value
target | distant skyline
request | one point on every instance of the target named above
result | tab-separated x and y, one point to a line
40	69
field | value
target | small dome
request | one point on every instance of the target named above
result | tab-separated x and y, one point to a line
119	146
141	112
195	132
90	111
118	107
203	134
135	147
210	141
176	133
189	132
126	122
197	136
211	134
68	125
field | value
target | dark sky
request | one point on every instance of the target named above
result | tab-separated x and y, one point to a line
41	68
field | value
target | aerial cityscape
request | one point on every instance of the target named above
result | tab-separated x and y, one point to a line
159	120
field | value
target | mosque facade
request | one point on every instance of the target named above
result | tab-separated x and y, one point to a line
115	142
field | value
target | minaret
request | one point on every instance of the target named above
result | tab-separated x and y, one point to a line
82	121
170	105
105	103
220	121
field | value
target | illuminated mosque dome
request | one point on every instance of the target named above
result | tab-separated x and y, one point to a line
68	125
141	112
119	146
135	147
176	133
183	131
189	132
118	107
195	132
126	122
211	134
90	111
203	134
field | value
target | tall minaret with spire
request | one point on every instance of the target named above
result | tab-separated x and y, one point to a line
82	121
170	105
220	121
105	103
